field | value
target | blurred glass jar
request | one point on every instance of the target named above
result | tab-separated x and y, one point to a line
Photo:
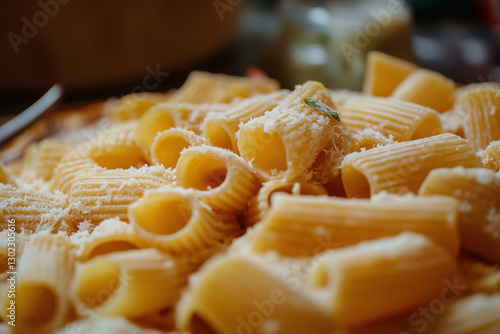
327	40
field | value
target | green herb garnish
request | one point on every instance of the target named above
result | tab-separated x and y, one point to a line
322	107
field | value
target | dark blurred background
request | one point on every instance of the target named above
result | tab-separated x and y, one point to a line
98	49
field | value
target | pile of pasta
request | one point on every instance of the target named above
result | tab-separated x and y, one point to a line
234	206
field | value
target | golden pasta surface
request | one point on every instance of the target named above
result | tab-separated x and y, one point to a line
233	206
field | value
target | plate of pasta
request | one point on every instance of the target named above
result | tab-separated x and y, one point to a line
234	206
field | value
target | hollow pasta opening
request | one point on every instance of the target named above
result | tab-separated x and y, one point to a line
111	246
355	183
168	150
198	325
204	173
430	126
153	121
163	214
267	152
36	305
218	136
98	283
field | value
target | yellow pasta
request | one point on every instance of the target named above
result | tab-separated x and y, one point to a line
170	115
204	87
259	205
103	325
295	140
34	211
168	145
427	88
402	167
402	120
481	117
133	106
381	278
384	73
221	128
491	156
6	177
238	294
117	148
130	284
220	177
41	159
70	164
98	193
369	138
478	191
302	225
41	293
452	121
112	235
476	314
177	222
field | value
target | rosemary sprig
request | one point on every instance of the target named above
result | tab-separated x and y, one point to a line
322	107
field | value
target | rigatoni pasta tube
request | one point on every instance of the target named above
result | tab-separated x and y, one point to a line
427	88
238	294
381	278
111	235
117	148
221	128
401	120
177	222
301	225
220	177
133	106
204	87
478	191
34	210
259	205
480	107
275	143
44	272
130	284
384	73
99	193
41	159
170	115
168	145
402	167
491	156
476	314
70	164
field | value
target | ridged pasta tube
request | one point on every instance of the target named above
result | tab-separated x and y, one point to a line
275	143
402	120
167	146
304	225
402	167
177	222
221	128
45	270
99	193
220	177
427	88
381	278
478	191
